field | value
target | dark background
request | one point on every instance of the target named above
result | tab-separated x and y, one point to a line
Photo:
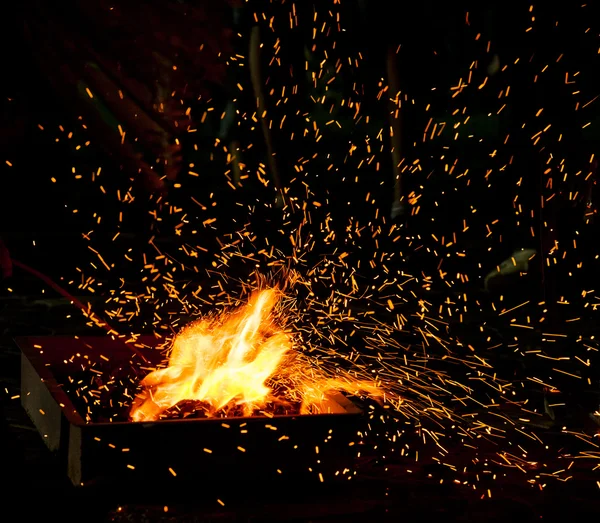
39	227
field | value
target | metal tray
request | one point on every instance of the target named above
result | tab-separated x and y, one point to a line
203	451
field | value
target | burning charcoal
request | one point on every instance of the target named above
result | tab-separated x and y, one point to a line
235	411
280	408
193	409
187	409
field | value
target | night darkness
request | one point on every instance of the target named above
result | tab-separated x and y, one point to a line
367	229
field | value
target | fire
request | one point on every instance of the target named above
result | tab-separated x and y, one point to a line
240	364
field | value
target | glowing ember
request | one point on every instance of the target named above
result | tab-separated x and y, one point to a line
239	364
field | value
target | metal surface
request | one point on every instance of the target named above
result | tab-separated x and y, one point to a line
230	450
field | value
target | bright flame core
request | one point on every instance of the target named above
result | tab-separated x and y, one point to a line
240	359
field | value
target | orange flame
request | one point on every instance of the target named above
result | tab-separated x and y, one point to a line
242	359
